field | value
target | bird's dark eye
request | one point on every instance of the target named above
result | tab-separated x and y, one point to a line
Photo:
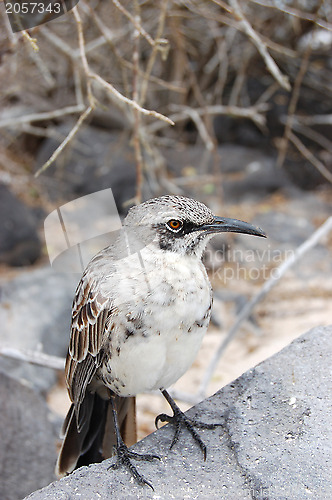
175	225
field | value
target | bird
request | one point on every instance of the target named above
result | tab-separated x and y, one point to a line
139	315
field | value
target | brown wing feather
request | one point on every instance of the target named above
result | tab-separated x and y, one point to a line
85	424
89	316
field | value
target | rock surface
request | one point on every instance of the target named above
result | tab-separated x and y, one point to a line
248	174
19	241
35	313
96	159
274	443
28	441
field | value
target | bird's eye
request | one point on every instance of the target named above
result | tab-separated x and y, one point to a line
174	225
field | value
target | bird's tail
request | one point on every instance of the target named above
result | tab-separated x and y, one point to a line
96	440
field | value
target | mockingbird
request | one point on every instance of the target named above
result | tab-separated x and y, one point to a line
139	315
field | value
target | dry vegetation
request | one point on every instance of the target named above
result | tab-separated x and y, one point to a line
144	65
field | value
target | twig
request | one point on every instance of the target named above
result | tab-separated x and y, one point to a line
234	23
292	106
41	131
253	112
92	75
135	22
34	357
220	59
84	60
201	128
64	143
78	86
39	63
154	52
312	134
309	156
36	117
133	104
281	49
223	5
32	41
13	37
294	12
323	230
259	44
137	117
267	94
240	78
109	38
315	119
58	42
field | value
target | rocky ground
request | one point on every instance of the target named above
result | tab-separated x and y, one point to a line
271	443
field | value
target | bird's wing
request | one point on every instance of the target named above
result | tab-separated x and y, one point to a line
90	315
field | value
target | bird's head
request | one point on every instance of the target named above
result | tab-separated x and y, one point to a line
180	224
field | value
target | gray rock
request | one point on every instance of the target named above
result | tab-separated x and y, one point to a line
275	426
96	159
35	312
283	228
248	174
28	440
19	241
259	178
286	232
274	443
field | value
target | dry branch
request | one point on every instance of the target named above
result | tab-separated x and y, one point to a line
307	16
133	104
309	156
38	117
108	86
315	119
34	357
254	113
65	142
312	134
259	44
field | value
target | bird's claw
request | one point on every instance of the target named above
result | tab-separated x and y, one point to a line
123	458
162	417
179	419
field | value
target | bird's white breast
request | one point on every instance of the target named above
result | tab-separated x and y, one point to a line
162	312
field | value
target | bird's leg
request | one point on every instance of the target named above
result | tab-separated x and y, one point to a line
179	419
124	455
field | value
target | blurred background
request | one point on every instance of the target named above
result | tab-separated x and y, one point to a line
228	102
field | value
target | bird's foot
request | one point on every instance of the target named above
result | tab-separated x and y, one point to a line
124	457
180	420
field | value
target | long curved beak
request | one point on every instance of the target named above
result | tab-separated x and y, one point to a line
224	225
